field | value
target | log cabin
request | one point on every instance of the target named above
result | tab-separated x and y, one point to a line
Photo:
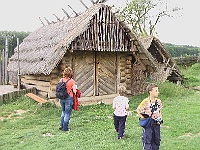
102	51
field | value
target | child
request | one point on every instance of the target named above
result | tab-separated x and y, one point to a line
120	105
151	106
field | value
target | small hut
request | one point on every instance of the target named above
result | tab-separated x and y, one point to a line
102	51
166	65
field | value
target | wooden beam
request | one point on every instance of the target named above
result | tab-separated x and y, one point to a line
36	98
41	21
92	1
57	17
73	10
68	16
6	60
83	4
47	20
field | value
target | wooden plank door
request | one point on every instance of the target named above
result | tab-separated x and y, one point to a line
83	65
105	73
95	72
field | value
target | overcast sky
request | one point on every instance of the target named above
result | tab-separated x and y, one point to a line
23	15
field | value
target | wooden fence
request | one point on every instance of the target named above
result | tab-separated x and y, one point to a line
190	60
3	65
13	94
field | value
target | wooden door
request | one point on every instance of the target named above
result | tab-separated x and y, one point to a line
83	66
106	73
95	72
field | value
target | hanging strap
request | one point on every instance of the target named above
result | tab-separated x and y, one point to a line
67	81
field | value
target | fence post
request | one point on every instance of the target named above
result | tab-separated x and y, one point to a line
1	70
6	60
3	67
19	79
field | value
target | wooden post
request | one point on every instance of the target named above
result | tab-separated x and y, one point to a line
6	61
1	70
3	66
68	16
19	80
73	10
83	4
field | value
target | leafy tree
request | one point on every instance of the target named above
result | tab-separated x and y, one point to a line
144	15
182	50
12	40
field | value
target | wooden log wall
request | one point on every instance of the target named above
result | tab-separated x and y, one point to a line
161	74
104	33
41	82
138	79
46	84
131	77
56	74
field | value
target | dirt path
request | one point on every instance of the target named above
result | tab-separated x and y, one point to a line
6	89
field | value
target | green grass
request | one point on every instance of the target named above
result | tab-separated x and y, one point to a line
36	127
192	75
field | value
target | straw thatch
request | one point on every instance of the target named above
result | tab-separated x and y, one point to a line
43	49
166	65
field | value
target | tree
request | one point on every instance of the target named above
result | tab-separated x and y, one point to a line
144	15
182	50
12	40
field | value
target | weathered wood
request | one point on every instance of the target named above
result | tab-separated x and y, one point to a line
6	61
36	82
3	66
83	4
186	60
55	71
37	77
36	98
1	71
105	33
107	72
83	71
43	88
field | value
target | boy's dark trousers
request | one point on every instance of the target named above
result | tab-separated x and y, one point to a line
119	123
151	137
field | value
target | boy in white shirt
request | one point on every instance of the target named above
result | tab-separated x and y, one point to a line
120	105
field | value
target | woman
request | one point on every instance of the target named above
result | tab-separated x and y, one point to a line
66	104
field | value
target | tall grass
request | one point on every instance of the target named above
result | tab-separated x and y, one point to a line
191	75
36	127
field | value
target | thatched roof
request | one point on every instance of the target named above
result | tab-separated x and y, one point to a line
43	49
148	41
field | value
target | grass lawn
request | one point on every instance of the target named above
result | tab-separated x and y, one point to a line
26	126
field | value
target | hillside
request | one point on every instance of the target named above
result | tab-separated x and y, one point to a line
182	50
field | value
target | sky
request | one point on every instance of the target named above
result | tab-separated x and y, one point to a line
23	15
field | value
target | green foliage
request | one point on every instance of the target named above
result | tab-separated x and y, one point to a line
144	15
12	40
191	75
182	50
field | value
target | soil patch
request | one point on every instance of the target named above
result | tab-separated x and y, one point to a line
15	114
